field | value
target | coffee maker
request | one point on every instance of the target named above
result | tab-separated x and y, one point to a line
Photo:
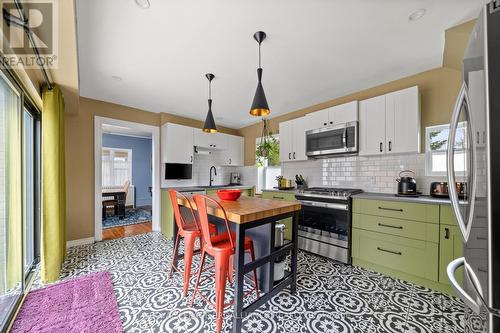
235	179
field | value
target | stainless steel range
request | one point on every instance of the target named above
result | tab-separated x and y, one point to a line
325	221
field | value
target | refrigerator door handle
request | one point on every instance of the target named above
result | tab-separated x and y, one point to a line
465	225
468	300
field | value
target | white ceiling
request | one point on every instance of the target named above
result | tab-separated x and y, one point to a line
316	50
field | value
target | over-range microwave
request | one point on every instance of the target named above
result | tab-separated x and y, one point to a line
332	140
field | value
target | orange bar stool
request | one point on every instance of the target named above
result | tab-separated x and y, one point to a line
222	248
189	231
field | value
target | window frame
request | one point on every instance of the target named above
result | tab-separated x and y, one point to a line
430	153
130	158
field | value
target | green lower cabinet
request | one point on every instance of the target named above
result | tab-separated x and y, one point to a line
167	215
286	196
397	209
450	248
411	256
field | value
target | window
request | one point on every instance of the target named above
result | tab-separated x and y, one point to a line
436	144
116	166
19	195
268	168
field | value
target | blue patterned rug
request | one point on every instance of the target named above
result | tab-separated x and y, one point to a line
132	216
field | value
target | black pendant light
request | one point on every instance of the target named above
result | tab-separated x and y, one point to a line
259	105
209	126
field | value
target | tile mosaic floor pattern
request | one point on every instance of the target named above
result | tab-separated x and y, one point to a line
331	297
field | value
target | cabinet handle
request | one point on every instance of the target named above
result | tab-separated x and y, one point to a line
191	158
391	209
277	197
331	122
390	226
293	155
389	251
381	147
390	145
477	135
325	124
289	156
229	161
446	233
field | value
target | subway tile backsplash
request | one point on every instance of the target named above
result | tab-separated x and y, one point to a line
369	173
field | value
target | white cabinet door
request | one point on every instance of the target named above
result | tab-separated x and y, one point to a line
233	153
317	119
213	141
344	113
372	126
402	112
286	140
177	143
299	128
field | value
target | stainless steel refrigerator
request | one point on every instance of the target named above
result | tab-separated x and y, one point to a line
474	157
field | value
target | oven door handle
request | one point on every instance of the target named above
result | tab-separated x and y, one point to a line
324	205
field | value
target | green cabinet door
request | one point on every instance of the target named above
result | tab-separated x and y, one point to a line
450	248
167	215
285	196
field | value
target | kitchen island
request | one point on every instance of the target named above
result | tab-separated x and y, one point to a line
257	217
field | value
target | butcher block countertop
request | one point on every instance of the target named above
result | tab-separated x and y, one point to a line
249	209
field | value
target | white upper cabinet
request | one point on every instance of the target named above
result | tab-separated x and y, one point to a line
177	143
344	113
339	114
372	126
214	141
402	118
233	153
293	140
390	124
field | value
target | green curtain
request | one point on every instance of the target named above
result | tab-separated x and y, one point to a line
53	229
13	189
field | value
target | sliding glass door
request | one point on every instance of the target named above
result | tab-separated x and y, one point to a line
19	195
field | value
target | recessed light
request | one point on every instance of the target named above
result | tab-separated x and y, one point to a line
144	4
417	14
117	78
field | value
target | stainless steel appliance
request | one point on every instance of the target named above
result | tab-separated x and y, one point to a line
325	221
234	178
332	140
407	185
478	214
440	189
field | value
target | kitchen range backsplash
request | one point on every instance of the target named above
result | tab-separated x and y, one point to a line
369	173
201	168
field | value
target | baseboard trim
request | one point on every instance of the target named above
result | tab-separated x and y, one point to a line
81	241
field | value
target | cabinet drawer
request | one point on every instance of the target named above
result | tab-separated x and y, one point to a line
398	209
398	227
287	196
410	256
447	216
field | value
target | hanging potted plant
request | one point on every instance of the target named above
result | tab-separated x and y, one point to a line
268	149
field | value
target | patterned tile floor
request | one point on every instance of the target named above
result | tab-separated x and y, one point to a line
331	297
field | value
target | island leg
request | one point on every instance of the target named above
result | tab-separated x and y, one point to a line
238	288
295	239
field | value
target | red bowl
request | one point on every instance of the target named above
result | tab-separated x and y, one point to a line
229	195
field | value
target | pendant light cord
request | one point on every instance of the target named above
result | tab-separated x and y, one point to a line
259	57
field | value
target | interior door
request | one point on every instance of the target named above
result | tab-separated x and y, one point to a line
372	126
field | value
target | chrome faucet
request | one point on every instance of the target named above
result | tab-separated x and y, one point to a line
215	173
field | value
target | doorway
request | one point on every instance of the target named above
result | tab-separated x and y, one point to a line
127	178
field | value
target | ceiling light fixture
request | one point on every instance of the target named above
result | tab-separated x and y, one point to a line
209	126
417	14
144	4
259	105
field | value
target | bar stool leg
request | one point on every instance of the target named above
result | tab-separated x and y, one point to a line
256	284
198	276
221	270
173	264
188	259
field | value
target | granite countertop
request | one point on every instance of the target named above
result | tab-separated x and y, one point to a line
388	196
204	188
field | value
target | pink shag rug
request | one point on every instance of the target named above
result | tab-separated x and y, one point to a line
84	304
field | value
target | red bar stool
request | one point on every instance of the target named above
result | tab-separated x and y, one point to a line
222	248
190	231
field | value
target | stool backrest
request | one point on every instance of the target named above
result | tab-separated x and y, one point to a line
201	205
179	219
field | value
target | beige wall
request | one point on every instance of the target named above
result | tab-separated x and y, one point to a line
80	156
438	87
